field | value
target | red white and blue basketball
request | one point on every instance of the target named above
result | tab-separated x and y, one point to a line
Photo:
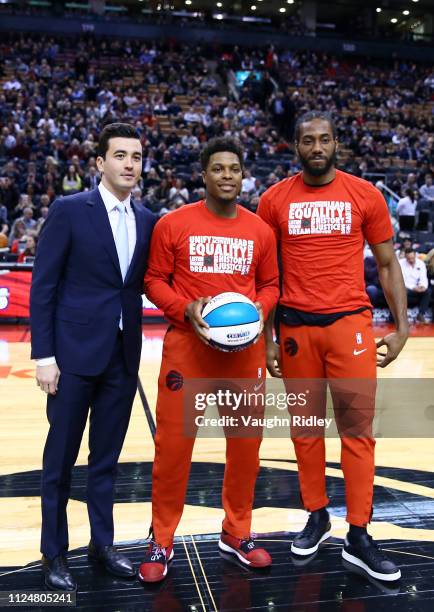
233	320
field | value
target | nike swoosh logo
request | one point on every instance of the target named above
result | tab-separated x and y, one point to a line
257	387
359	352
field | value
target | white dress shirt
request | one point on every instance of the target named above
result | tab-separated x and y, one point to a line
248	184
111	202
427	192
414	275
406	206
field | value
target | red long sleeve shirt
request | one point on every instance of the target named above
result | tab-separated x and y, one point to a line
195	253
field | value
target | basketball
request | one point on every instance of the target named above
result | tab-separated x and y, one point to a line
234	321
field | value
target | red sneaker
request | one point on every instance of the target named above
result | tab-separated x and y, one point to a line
245	550
154	567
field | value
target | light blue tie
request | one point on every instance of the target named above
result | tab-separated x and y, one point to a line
121	240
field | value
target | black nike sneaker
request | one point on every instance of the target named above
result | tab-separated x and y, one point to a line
316	531
300	561
364	553
355	588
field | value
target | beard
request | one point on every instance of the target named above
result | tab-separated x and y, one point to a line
318	170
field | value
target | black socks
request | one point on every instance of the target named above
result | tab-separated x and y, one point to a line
322	514
356	532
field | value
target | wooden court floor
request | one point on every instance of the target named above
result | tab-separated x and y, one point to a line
403	503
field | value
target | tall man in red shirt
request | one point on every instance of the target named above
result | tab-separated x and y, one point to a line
321	218
199	251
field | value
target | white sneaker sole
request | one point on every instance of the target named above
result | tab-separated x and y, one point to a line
232	551
356	561
303	552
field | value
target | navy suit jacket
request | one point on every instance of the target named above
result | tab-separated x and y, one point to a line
77	291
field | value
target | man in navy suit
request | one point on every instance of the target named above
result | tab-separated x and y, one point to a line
86	310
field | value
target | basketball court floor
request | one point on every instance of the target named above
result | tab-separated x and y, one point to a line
200	577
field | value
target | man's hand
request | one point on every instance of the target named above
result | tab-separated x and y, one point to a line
193	313
261	320
47	378
272	352
395	343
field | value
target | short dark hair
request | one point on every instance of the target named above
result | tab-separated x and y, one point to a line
221	145
409	250
115	130
310	116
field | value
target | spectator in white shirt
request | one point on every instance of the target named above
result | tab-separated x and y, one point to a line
429	81
9	140
406	211
130	98
179	190
248	183
26	219
12	83
416	282
427	189
190	141
192	116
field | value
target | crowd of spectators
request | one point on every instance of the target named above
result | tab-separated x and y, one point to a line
418	274
57	93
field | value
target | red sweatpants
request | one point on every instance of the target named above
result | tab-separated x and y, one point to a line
186	357
344	350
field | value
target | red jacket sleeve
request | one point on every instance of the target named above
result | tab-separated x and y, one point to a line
161	266
267	273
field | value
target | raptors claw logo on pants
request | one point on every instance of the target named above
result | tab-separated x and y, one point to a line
174	380
291	347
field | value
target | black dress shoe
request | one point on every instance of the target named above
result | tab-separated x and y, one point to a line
57	574
115	563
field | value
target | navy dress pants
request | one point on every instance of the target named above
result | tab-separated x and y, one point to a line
109	397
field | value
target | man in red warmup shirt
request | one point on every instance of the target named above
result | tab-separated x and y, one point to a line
321	218
197	252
